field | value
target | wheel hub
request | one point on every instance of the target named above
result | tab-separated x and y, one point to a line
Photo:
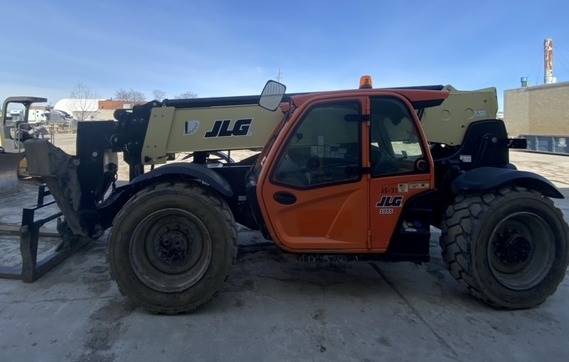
170	250
520	251
513	249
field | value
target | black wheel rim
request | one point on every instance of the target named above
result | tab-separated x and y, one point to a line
521	250
170	250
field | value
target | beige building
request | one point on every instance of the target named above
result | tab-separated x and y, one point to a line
540	110
541	115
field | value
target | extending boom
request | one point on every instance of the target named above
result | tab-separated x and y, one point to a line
229	123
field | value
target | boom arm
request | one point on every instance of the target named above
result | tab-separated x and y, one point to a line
210	124
448	122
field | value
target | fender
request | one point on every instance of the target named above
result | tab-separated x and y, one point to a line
181	170
184	170
488	178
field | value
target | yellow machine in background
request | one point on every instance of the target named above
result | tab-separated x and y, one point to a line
12	135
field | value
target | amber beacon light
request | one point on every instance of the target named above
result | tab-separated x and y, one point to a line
365	82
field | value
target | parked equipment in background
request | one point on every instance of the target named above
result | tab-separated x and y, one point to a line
363	172
13	132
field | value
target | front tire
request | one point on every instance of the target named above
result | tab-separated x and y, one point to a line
508	247
172	246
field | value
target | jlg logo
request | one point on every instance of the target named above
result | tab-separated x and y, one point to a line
390	201
222	128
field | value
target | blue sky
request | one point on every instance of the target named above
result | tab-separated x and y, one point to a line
216	48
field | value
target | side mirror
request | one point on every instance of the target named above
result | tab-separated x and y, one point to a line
272	95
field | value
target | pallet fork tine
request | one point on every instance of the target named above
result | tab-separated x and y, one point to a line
31	268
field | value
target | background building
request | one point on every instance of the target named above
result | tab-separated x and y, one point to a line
79	109
107	108
91	109
540	113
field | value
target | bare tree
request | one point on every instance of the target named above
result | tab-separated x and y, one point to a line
158	94
186	95
130	95
83	96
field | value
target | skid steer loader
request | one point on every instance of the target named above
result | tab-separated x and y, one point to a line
363	172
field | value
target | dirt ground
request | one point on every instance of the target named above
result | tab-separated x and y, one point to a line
276	307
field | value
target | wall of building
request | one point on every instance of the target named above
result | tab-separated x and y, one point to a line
109	104
106	114
539	110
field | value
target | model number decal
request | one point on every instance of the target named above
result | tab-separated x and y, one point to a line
386	211
223	128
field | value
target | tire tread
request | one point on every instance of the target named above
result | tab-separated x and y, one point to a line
182	187
462	220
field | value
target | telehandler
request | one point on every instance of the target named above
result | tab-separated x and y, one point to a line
363	172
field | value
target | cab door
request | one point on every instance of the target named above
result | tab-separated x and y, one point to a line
312	191
401	166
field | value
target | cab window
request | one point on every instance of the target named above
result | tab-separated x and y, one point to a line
395	143
324	149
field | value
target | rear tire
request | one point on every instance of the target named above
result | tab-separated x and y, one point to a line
508	247
172	247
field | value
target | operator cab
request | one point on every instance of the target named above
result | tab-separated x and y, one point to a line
340	171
